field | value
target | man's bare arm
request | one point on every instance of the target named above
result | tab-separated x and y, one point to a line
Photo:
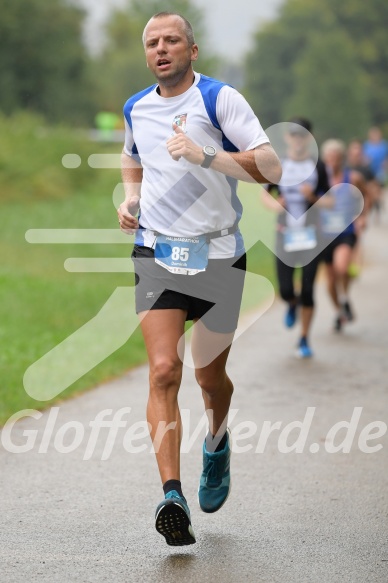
132	176
260	165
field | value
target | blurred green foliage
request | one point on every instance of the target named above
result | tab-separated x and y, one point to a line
45	67
325	60
43	63
31	159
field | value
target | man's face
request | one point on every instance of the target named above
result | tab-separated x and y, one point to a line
375	135
355	155
168	53
298	142
334	159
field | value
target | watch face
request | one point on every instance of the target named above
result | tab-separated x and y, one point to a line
210	150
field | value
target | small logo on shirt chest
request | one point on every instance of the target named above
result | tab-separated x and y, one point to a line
180	120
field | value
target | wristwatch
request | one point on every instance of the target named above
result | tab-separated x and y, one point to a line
210	153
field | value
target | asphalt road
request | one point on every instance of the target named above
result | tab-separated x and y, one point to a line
317	516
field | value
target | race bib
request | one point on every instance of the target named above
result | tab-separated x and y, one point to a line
182	255
334	222
300	238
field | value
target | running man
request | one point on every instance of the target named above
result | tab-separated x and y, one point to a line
338	222
376	153
189	138
303	181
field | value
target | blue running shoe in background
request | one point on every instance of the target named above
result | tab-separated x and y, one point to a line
304	350
290	318
214	486
172	520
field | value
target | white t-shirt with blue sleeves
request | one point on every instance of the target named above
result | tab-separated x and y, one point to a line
178	198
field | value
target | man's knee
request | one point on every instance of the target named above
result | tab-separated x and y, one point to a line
341	270
166	374
213	382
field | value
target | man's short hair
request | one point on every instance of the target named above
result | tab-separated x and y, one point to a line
188	29
303	122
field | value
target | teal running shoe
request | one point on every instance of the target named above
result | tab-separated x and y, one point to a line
214	486
172	520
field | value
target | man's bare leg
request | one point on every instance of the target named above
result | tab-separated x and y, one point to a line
162	330
217	388
331	284
341	261
306	314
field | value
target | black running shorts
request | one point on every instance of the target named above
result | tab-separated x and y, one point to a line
213	295
349	239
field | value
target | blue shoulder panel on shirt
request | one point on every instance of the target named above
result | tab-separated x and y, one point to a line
210	89
127	109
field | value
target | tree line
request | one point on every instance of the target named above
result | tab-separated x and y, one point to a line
46	68
326	60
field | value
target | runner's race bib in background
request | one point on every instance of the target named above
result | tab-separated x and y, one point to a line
300	238
182	255
334	222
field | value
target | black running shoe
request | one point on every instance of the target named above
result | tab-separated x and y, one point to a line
348	312
338	324
172	520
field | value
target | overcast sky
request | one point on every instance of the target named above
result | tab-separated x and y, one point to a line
229	23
